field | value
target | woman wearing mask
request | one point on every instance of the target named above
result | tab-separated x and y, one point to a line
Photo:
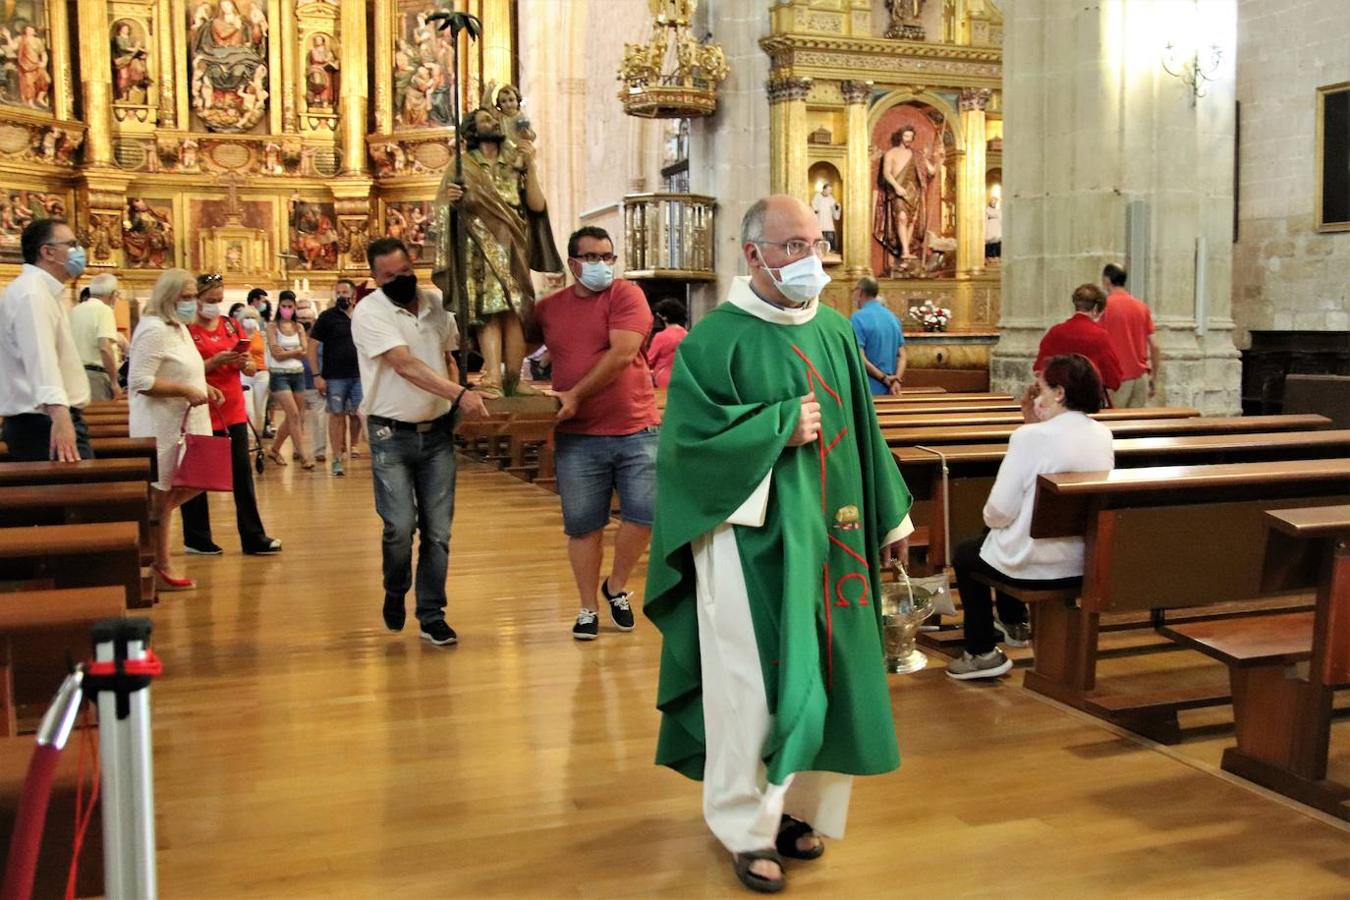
165	382
1059	438
286	349
661	351
258	383
219	339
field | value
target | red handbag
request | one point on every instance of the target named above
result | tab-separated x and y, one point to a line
203	461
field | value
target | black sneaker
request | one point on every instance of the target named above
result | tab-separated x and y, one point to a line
439	633
269	547
618	607
587	627
394	614
208	550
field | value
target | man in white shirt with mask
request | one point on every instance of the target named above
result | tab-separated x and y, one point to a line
42	381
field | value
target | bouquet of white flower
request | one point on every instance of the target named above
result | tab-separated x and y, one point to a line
931	316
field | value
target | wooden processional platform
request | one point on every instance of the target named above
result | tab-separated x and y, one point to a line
303	751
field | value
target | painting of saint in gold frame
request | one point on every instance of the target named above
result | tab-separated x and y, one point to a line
1332	184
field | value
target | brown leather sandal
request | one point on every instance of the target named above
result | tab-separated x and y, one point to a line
741	862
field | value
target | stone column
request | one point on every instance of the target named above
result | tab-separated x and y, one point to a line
96	81
355	49
1121	167
787	123
168	113
857	197
970	200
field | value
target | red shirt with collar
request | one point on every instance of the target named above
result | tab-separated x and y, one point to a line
224	336
1129	324
1083	336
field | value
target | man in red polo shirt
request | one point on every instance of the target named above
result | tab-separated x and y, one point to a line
1082	334
608	424
1129	324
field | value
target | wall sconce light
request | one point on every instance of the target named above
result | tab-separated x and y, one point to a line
1192	71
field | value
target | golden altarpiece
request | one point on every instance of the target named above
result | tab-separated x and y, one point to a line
896	106
266	139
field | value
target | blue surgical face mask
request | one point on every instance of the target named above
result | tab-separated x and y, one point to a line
186	310
76	260
801	281
596	276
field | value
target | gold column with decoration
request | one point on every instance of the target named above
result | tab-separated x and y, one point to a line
96	82
164	31
355	48
63	99
384	66
496	40
857	198
179	23
970	184
286	76
787	160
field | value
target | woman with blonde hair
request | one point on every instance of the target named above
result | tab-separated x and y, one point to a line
166	381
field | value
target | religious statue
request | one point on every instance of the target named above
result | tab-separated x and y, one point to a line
903	175
229	71
504	218
31	62
147	235
100	236
520	137
423	75
187	159
828	211
131	75
904	21
313	238
321	82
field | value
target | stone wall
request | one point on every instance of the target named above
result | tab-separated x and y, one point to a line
1286	275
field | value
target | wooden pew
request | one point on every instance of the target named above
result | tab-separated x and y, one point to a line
114	448
909	436
39	632
525	435
88	555
944	420
1283	719
1150	537
986	407
19	474
74	504
108	429
891	401
973	467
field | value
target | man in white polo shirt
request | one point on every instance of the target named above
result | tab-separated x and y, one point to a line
404	339
93	324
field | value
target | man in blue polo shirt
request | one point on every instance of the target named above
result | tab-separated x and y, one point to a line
880	338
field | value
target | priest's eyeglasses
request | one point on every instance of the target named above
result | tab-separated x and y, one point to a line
607	258
796	249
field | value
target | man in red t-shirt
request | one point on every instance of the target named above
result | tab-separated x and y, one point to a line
1129	324
223	345
608	424
1081	334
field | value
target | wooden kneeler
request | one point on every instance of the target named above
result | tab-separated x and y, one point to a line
1063	637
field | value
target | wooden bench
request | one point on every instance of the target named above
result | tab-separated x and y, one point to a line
1151	542
113	448
39	632
108	429
964	433
973	467
1283	719
905	398
525	436
60	556
73	504
1015	418
88	471
983	407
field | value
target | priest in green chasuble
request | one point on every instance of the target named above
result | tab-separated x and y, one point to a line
777	505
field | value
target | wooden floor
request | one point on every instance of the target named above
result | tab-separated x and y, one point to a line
301	751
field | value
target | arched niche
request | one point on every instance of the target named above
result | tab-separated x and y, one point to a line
822	173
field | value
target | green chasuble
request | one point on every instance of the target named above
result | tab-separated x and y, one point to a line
811	571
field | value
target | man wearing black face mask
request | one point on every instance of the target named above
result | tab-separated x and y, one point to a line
404	340
339	379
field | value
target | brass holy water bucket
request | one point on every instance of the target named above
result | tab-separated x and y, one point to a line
904	607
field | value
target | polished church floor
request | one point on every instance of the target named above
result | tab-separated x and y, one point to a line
302	751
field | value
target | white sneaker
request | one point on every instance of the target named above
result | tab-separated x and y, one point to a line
986	665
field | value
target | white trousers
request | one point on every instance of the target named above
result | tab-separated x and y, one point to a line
741	808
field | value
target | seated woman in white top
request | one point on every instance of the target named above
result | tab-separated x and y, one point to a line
167	391
1059	438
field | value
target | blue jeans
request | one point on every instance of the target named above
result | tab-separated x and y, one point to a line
344	395
415	488
590	467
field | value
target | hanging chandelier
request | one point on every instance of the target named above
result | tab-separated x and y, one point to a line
673	75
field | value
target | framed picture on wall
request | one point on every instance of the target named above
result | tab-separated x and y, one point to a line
1333	158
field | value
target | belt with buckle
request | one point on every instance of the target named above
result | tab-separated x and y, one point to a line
96	369
419	427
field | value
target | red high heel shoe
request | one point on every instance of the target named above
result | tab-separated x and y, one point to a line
166	582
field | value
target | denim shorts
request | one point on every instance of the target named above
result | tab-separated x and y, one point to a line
590	467
288	381
344	395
